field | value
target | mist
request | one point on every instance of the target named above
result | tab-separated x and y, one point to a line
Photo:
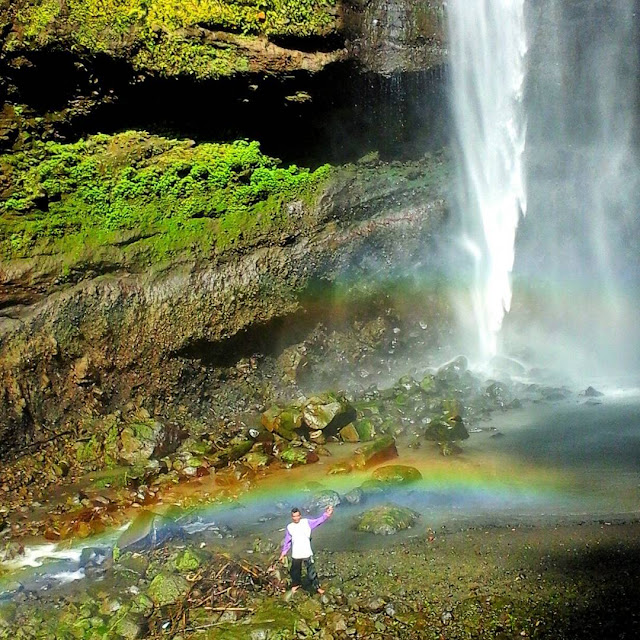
577	264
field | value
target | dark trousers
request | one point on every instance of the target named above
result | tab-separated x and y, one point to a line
296	572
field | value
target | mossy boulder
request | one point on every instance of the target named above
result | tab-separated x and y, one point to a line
397	474
446	430
167	588
349	433
380	450
386	519
328	412
140	441
366	429
187	561
283	421
295	456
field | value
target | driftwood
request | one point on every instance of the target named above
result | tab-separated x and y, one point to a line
222	585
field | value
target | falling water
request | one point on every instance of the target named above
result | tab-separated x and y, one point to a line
488	45
577	268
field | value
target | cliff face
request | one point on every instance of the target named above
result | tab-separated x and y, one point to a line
63	64
142	234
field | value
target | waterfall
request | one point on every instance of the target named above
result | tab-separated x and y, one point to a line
577	267
488	45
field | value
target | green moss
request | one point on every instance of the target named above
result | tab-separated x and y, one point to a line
162	195
158	30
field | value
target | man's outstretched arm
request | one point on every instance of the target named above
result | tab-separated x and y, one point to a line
316	522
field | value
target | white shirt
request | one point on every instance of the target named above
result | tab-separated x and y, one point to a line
300	533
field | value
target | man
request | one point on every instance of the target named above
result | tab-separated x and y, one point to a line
298	538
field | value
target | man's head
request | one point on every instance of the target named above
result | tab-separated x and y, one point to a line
295	514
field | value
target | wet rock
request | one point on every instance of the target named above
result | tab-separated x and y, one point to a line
397	474
355	496
256	460
449	449
147	531
129	627
386	519
328	412
231	454
292	360
92	556
350	434
366	429
284	422
167	588
323	499
187	560
443	430
297	455
452	370
378	451
590	392
140	441
499	394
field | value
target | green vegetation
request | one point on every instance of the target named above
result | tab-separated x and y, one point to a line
152	196
157	31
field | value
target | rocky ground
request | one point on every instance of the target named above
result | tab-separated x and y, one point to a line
556	582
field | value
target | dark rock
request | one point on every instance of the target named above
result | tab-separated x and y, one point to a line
590	392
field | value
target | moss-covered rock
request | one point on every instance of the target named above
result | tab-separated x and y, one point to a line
446	430
206	39
397	474
327	411
386	519
187	560
83	198
167	588
378	451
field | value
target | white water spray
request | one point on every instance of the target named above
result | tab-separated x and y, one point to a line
488	45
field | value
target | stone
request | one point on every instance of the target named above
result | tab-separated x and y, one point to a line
187	561
378	451
397	474
349	434
140	441
355	496
446	430
323	499
147	531
327	411
366	429
284	422
256	460
294	456
129	628
386	519
167	588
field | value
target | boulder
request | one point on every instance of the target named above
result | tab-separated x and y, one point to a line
349	434
397	474
140	441
329	412
284	422
443	430
167	588
380	450
386	519
322	499
147	531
